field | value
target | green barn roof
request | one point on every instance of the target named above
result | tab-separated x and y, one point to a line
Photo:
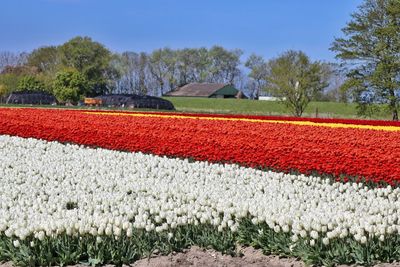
226	90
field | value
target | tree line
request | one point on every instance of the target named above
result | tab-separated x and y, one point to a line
368	72
82	67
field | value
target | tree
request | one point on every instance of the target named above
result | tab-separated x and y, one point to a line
20	70
165	69
9	82
30	83
334	92
258	71
133	68
3	93
133	72
143	65
224	67
201	63
185	66
70	86
11	75
162	65
91	59
10	59
126	65
47	59
295	79
370	49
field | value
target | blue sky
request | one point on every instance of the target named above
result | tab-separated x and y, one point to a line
265	27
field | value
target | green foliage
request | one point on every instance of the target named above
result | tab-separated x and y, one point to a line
200	60
339	250
372	43
296	80
30	83
70	86
192	65
258	71
65	250
21	78
224	64
162	67
89	58
46	59
9	83
3	93
132	72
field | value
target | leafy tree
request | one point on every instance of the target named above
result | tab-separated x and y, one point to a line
127	66
165	69
47	59
185	65
143	62
9	82
3	93
134	73
30	83
224	67
91	59
371	50
258	71
295	79
193	65
70	86
201	62
11	75
3	90
162	63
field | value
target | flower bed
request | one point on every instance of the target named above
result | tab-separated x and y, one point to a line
133	183
50	191
372	154
260	117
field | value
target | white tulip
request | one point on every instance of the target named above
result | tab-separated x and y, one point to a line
16	243
48	188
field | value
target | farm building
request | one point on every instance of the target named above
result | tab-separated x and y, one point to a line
210	90
31	98
130	101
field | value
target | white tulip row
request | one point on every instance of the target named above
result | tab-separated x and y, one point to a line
48	188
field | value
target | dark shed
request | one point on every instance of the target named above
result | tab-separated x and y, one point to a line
135	101
31	98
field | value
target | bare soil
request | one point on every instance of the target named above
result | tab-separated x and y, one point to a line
196	256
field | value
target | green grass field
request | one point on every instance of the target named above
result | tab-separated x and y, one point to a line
245	106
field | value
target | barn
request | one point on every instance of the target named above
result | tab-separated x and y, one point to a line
209	90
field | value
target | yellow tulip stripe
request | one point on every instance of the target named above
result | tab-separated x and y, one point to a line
302	123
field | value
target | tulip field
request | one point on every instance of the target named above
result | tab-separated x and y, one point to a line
104	187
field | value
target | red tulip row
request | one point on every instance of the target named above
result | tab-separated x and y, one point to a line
260	117
371	154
